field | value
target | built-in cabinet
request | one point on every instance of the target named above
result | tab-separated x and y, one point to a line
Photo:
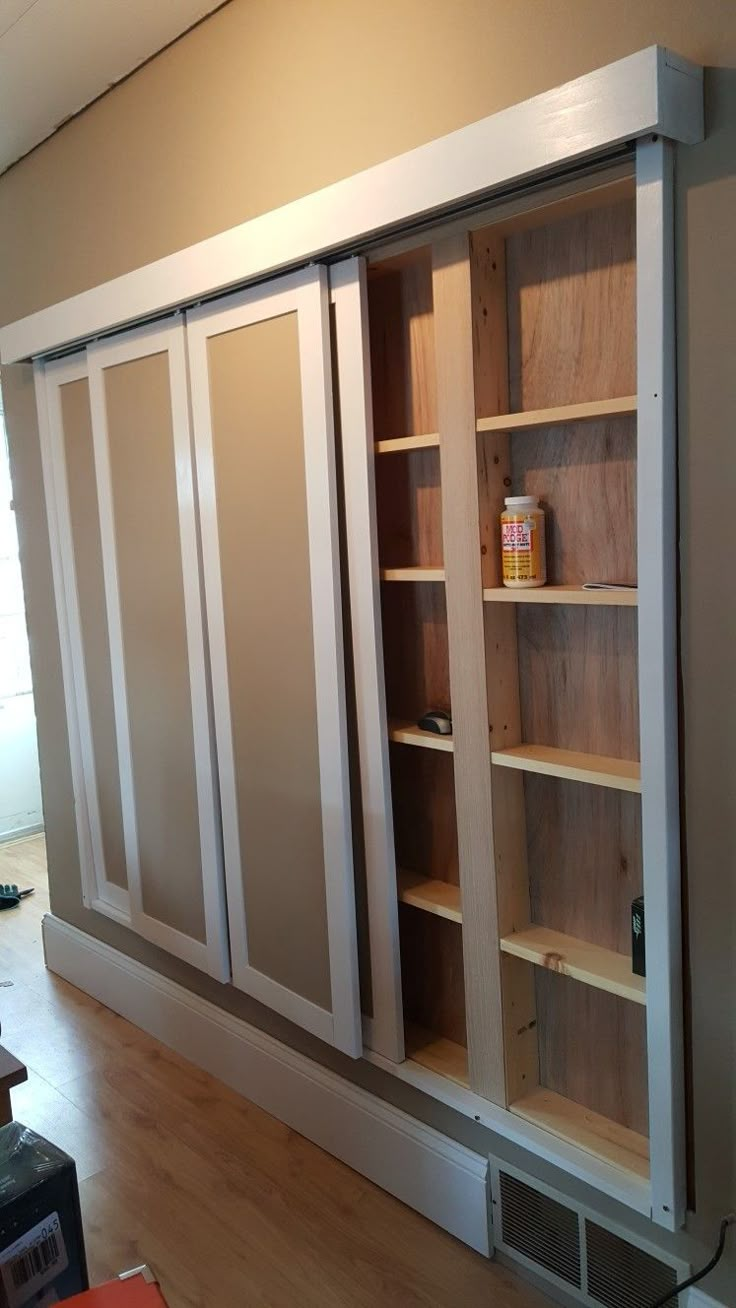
275	533
499	358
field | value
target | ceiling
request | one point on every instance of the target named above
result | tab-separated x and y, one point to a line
58	55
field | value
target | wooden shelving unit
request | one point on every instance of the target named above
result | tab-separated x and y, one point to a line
408	733
602	968
562	595
603	1138
400	444
417	675
437	1054
571	765
414	573
559	414
440	897
561	669
490	353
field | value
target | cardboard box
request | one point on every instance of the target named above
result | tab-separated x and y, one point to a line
42	1259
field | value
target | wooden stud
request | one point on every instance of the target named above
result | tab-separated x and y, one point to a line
461	534
490	339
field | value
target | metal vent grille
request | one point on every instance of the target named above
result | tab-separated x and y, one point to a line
540	1228
620	1275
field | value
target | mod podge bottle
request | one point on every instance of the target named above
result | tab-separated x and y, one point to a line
523	549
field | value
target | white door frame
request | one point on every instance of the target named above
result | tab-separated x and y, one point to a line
658	717
212	954
305	293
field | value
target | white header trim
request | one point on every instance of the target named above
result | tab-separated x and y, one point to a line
651	91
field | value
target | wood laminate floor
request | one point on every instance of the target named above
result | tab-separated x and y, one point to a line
231	1208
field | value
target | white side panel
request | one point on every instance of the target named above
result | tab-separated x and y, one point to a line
657	565
306	295
97	891
650	91
385	1031
211	956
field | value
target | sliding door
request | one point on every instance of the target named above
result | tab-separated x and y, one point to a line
62	394
383	1025
141	436
263	424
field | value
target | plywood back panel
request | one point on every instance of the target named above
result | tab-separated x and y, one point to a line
409	509
592	1048
584	856
585	477
402	347
85	529
571	309
147	547
422	787
256	400
432	973
415	648
578	678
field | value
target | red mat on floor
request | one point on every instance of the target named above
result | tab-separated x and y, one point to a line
133	1293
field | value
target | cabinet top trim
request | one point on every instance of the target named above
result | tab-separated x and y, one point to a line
651	91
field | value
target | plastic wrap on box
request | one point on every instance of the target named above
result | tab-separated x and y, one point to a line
42	1259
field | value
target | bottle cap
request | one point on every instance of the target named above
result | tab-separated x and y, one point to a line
522	501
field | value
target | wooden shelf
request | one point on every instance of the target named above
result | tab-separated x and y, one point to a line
408	733
607	1140
437	1054
438	897
403	443
595	769
560	414
561	595
594	966
412	574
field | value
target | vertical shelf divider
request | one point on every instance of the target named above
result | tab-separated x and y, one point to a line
465	619
490	335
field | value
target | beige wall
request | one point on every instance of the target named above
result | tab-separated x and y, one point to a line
270	99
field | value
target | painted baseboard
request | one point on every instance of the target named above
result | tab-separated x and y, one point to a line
697	1298
432	1174
20	833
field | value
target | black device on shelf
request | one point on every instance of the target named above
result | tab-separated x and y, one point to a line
638	958
436	720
